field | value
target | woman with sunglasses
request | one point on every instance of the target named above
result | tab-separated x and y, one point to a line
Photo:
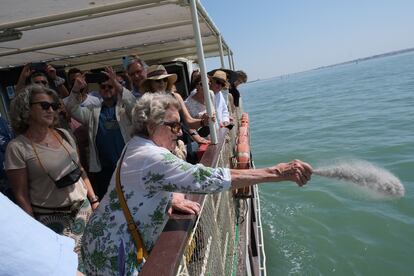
42	165
195	101
148	174
158	80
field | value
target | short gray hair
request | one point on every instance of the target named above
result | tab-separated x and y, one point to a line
20	106
150	110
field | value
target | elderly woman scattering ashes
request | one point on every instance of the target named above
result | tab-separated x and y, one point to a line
148	173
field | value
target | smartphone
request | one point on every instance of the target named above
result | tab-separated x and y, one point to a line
125	61
95	77
38	66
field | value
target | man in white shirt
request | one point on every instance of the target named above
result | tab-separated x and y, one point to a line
218	81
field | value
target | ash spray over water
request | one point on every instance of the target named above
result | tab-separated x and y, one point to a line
366	175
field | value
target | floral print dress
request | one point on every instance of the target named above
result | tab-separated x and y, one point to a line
149	175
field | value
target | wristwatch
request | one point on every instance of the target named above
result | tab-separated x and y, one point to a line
193	133
59	81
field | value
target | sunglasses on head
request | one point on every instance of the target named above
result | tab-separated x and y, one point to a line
41	82
104	86
47	105
174	126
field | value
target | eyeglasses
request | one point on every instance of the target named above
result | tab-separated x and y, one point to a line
174	126
47	105
161	80
104	86
41	82
219	83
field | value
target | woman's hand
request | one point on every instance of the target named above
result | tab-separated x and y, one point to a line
205	119
296	171
197	138
183	205
95	205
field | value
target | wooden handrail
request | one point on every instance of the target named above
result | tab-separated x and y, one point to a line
166	255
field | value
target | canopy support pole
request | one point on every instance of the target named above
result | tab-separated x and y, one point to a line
229	59
203	71
232	61
221	51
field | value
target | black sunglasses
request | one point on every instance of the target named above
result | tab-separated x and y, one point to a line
47	105
104	86
174	126
219	83
41	82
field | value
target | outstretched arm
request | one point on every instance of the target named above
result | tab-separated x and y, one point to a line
296	171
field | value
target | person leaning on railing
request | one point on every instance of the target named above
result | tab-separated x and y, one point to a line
145	178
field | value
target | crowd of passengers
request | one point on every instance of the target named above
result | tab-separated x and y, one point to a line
69	148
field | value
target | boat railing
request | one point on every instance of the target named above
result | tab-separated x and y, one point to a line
184	249
225	239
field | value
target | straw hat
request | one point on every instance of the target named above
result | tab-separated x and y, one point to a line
157	72
220	76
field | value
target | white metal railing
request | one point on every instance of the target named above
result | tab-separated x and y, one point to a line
212	244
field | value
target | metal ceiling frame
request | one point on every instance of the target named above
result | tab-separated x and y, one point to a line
83	14
102	11
95	38
142	54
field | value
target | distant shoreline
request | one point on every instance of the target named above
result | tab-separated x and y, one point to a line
367	58
392	53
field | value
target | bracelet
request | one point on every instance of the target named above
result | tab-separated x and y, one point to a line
59	81
193	133
94	199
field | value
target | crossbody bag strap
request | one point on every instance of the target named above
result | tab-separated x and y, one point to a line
40	162
63	137
132	228
38	159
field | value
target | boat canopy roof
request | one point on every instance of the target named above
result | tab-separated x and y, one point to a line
96	33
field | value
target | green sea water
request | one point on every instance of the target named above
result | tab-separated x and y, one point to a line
362	111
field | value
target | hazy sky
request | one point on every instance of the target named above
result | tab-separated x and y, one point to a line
276	37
